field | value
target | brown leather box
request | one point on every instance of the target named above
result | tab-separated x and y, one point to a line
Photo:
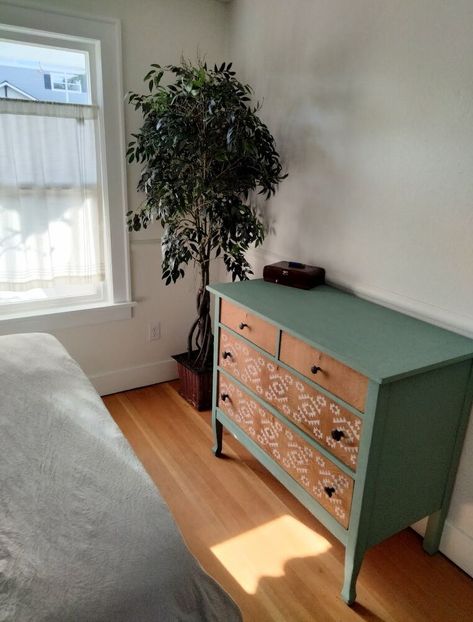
294	274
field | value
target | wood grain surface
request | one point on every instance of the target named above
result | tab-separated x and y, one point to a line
261	544
309	409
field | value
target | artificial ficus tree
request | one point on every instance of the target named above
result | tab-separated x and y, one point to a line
204	153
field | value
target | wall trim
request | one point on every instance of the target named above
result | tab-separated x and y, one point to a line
50	319
133	377
445	318
25	4
455	544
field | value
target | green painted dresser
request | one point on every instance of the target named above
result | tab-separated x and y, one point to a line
360	411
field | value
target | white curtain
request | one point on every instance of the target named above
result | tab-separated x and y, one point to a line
51	229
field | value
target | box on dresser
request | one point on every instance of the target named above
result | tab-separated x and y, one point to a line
294	274
346	403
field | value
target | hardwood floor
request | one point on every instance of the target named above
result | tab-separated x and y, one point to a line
260	544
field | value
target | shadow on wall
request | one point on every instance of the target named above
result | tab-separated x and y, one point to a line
310	102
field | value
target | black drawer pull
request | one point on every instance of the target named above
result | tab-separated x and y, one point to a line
314	369
337	435
224	397
243	325
226	354
329	490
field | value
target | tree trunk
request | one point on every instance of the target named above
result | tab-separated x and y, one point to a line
200	336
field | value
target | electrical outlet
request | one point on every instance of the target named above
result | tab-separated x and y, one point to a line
154	331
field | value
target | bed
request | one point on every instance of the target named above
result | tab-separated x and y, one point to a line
84	533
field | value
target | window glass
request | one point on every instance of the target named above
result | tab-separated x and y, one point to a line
58	81
51	203
43	73
74	83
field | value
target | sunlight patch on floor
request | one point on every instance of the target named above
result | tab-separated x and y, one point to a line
264	550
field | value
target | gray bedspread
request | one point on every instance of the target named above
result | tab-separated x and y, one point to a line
84	533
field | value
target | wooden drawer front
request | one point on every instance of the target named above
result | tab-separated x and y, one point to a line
326	421
334	376
250	326
320	477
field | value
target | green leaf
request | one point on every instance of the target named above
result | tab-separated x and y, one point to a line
204	154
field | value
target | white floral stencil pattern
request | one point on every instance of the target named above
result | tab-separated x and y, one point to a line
331	425
319	477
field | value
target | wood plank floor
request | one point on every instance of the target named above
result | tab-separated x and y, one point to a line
262	546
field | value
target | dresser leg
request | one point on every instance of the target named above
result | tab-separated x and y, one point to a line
433	533
353	559
218	434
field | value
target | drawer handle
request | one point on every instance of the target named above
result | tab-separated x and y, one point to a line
329	490
226	354
224	397
243	325
314	369
337	435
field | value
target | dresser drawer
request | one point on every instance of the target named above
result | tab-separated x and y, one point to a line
256	330
331	425
339	379
318	476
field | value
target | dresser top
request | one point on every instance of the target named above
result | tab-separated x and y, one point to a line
383	344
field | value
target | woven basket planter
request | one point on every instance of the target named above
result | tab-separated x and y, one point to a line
195	385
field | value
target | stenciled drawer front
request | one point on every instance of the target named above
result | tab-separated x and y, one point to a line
331	425
318	476
339	379
254	328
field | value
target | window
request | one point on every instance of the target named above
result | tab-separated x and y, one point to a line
62	247
45	72
51	208
58	81
73	83
67	82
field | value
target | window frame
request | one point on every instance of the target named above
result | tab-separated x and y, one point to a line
101	38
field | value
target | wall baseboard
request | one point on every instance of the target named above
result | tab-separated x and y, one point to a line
134	377
455	544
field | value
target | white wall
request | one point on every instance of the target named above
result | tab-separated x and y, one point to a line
371	106
118	355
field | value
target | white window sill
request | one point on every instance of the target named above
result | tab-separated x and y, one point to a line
66	317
